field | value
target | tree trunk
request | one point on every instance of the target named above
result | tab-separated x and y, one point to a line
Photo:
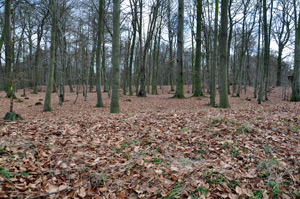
279	66
132	50
263	84
224	103
214	64
242	55
98	55
8	50
258	52
170	35
114	106
296	75
198	87
157	62
229	43
105	84
180	48
91	71
37	53
47	104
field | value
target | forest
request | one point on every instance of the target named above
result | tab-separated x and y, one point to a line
150	99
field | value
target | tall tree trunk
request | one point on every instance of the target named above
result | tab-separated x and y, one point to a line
36	63
224	103
263	85
296	75
132	50
114	106
157	62
258	52
170	35
98	55
37	53
105	84
279	67
91	71
242	55
193	62
154	62
269	28
47	104
198	87
229	43
215	57
180	48
8	50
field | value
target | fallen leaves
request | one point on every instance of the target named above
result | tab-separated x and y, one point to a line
156	148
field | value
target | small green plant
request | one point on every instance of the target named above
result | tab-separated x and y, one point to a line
234	152
287	183
258	194
232	121
158	191
203	191
275	188
175	192
226	145
185	130
201	151
216	179
135	142
124	145
267	149
118	149
126	155
97	179
202	144
102	180
25	175
5	173
295	128
296	194
245	128
3	150
233	184
216	120
157	161
259	118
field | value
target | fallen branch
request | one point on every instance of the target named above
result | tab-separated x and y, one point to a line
56	192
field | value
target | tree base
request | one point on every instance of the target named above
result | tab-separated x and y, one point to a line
141	94
198	95
178	96
11	116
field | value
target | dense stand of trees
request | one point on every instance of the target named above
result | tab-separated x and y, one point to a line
141	45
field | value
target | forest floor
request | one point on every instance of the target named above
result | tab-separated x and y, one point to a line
156	148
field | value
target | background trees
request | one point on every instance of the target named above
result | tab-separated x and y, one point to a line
83	56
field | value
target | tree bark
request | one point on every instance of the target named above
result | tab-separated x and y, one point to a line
224	103
98	55
296	75
8	50
215	57
114	106
198	87
180	48
47	104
